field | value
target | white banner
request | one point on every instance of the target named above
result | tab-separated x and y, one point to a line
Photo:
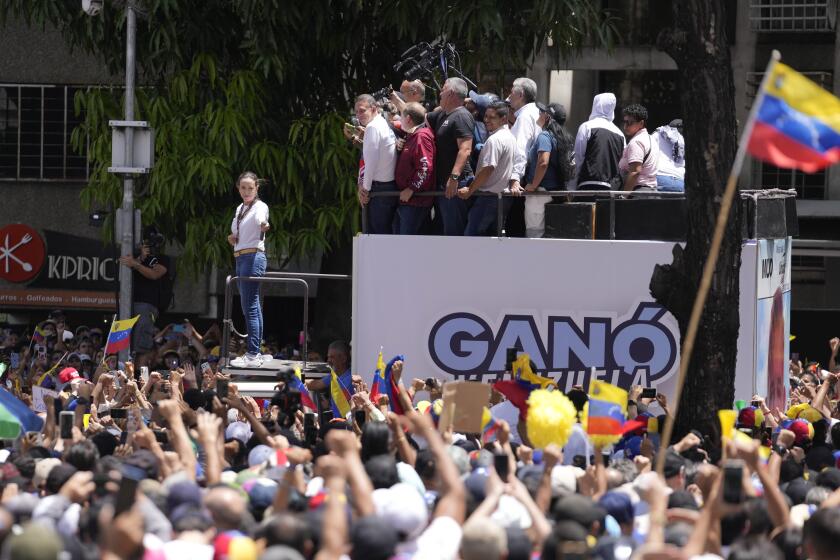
454	305
772	320
38	394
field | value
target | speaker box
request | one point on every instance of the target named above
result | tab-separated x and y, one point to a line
572	220
659	219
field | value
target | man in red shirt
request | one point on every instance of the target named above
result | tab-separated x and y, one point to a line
415	171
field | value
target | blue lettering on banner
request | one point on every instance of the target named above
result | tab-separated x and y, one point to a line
640	350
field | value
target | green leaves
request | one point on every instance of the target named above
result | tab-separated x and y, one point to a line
265	85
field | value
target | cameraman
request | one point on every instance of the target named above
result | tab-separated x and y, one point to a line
148	269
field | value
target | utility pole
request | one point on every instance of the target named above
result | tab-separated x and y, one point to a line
126	223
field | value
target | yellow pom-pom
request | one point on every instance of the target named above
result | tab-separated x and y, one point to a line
551	416
599	440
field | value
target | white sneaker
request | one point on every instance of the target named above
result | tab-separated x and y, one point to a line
247	361
266	357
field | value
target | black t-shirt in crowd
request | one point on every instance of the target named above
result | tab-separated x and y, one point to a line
448	129
145	290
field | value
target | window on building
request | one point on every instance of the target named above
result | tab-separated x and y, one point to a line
784	16
35	127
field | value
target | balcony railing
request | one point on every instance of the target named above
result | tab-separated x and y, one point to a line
793	16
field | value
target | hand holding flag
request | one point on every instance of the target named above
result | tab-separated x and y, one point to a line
119	337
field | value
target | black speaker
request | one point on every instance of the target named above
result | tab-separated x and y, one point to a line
658	219
572	220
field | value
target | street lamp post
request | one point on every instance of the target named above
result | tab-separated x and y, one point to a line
126	223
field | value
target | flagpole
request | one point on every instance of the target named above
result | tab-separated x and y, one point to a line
711	261
110	330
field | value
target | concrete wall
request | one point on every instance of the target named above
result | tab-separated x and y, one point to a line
35	56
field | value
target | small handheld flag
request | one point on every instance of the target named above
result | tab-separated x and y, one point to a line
339	396
119	336
489	426
378	386
296	383
607	409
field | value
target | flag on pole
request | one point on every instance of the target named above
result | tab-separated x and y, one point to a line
39	335
607	409
797	124
119	336
489	426
339	396
296	384
378	386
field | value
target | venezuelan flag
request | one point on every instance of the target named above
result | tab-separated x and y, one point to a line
39	335
120	335
607	409
797	124
339	396
524	381
296	383
391	387
378	385
489	426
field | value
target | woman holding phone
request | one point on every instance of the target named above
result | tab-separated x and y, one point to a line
247	236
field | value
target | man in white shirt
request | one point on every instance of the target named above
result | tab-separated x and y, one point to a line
379	157
522	100
495	164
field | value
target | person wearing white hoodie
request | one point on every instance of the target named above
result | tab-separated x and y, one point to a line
598	148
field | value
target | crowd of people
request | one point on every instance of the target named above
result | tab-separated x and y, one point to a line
475	145
176	462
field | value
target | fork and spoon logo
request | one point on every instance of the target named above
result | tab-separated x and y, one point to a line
22	253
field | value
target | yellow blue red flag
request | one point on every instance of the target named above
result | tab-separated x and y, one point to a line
797	123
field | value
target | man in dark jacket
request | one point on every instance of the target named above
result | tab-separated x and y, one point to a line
415	171
598	147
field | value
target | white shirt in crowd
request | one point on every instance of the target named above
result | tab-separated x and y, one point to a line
525	130
499	151
671	151
640	149
249	235
379	152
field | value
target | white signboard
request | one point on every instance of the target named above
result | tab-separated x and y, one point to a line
454	305
772	320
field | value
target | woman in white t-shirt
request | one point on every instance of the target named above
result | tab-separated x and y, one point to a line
247	236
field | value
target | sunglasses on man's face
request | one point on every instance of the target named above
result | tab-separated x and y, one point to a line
628	122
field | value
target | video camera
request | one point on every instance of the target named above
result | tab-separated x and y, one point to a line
286	399
424	59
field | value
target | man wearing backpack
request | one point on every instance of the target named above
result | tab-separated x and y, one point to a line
550	165
148	271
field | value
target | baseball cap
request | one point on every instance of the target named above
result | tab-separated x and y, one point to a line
36	542
85	358
68	374
74	356
238	430
260	492
183	492
578	508
618	505
403	508
564	479
259	455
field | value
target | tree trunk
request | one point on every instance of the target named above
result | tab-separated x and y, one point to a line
699	46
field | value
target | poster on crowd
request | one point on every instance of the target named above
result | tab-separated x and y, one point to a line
453	306
38	394
772	320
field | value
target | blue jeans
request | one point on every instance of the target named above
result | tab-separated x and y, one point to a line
381	209
410	219
483	216
252	264
666	183
453	213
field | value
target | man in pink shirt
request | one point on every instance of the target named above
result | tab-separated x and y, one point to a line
639	160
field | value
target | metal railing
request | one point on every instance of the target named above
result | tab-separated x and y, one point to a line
299	278
571	195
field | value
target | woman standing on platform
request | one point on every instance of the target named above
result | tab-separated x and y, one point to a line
250	222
